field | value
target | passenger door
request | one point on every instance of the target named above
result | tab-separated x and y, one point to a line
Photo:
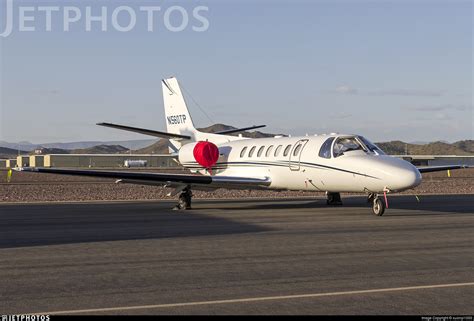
295	154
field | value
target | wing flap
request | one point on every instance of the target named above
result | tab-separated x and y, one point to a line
160	178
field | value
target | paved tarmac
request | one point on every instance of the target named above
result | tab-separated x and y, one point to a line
239	257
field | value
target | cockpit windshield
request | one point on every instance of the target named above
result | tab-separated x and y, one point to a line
371	146
346	144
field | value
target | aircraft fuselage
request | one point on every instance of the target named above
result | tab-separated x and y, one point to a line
295	163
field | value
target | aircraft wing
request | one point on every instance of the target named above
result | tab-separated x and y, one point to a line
429	169
161	179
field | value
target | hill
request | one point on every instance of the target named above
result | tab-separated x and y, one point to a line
6	153
436	148
28	147
46	151
151	146
221	127
465	147
102	149
161	146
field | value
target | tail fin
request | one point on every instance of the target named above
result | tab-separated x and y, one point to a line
178	119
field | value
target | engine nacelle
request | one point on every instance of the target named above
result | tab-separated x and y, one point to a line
202	153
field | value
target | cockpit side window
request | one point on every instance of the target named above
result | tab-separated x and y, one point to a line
346	144
371	146
325	150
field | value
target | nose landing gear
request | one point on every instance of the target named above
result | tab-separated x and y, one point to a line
378	205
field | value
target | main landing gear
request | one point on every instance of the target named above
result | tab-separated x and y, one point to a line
333	199
378	205
185	197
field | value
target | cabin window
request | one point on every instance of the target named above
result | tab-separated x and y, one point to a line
260	151
325	151
269	150
242	153
277	150
297	150
251	151
287	150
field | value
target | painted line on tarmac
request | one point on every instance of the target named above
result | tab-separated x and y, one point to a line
256	299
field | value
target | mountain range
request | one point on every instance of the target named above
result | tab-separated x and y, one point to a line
28	147
152	146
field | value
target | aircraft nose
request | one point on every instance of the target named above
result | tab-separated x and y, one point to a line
408	178
404	176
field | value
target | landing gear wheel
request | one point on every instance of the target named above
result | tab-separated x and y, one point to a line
378	206
334	199
184	201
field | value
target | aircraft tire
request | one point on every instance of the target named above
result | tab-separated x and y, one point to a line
378	207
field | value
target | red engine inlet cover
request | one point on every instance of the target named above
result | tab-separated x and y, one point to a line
206	154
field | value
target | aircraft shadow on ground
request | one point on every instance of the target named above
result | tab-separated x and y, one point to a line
39	225
427	204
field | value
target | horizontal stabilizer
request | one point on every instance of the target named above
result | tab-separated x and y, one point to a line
231	131
144	131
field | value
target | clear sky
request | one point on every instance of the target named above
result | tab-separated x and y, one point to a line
385	69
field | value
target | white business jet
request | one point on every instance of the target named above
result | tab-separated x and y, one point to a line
331	163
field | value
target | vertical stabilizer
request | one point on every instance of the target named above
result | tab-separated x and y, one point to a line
178	120
177	117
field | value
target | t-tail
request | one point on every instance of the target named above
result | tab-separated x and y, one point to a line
179	124
179	121
177	117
